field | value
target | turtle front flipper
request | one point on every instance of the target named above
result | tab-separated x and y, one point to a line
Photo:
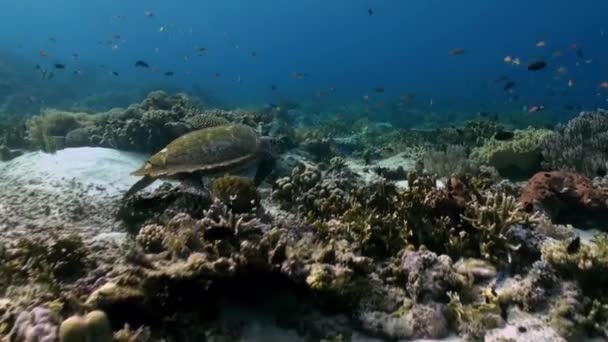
141	184
265	167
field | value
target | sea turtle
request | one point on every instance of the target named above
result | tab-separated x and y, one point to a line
210	151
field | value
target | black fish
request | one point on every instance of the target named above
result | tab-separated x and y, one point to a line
580	54
378	89
508	85
169	73
141	64
37	66
273	87
538	65
501	78
370	11
50	75
503	135
115	73
59	66
253	54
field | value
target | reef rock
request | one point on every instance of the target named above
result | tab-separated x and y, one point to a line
163	203
430	276
565	197
39	324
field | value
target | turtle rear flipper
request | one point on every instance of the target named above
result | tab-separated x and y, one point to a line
265	167
141	184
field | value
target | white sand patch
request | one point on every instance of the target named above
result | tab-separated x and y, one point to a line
100	169
75	190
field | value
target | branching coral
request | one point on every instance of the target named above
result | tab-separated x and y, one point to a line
453	161
219	223
239	193
493	216
581	145
473	320
313	196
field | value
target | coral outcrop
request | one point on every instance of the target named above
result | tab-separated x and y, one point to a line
239	193
38	324
519	157
565	197
580	145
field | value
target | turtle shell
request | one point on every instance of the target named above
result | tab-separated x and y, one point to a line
208	150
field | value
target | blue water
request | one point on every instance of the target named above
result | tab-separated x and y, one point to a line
403	47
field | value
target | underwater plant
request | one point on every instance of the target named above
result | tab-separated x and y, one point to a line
579	146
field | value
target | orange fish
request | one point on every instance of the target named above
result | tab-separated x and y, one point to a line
43	54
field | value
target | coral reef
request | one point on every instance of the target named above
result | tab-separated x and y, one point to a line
519	157
584	262
565	197
239	193
423	244
38	324
94	327
162	204
48	131
206	120
453	161
580	145
494	218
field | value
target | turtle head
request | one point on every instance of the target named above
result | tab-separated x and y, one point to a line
271	146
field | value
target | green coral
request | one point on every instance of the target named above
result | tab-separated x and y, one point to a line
73	329
47	131
518	157
585	262
473	320
94	327
206	120
48	262
240	193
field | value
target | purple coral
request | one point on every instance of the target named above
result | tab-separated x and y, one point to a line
38	325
